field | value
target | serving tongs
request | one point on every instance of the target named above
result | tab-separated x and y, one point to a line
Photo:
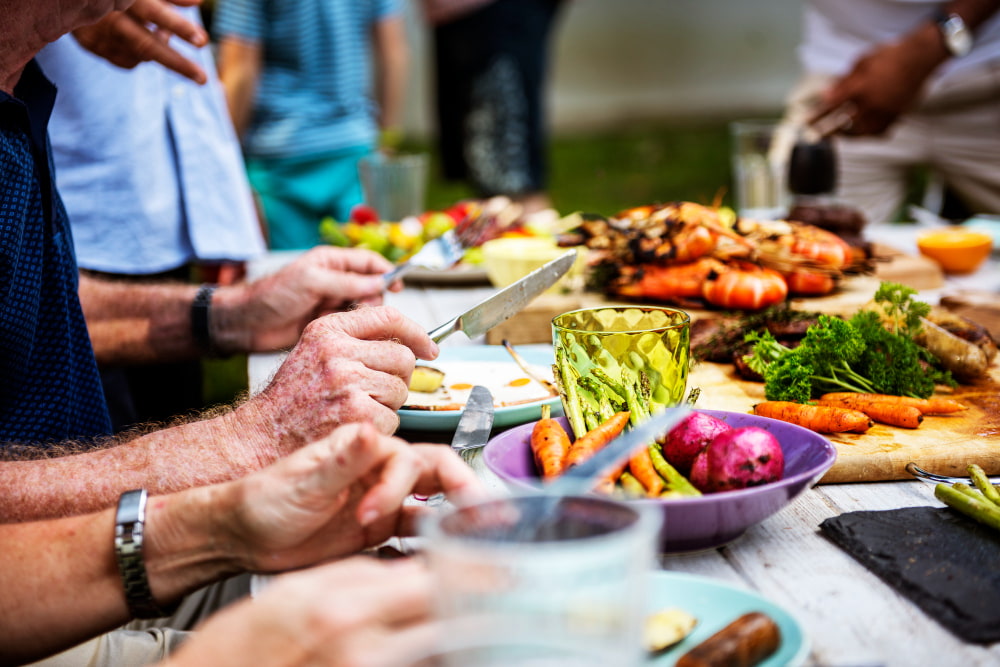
920	473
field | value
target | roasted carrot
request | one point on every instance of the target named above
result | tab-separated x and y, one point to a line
894	414
590	442
549	444
819	418
928	406
640	465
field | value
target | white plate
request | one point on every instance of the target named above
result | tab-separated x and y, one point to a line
716	605
511	415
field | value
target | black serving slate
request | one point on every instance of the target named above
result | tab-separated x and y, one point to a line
944	562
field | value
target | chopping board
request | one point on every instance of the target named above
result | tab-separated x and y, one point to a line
943	444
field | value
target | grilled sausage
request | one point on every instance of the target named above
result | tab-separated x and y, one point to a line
743	643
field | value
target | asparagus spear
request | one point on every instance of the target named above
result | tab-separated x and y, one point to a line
571	397
676	482
982	483
982	511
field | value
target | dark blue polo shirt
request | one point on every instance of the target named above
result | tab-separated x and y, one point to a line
50	389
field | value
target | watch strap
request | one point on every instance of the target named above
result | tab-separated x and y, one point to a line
201	318
129	534
956	34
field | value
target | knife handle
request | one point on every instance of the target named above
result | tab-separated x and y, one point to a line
445	330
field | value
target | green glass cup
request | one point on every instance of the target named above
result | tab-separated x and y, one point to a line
627	342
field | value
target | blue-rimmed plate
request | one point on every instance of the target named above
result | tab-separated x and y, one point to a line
716	605
517	402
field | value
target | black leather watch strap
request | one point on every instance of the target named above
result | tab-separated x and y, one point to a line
201	315
129	525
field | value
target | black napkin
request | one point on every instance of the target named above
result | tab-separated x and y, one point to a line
946	563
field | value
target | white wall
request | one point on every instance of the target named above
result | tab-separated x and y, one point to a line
617	61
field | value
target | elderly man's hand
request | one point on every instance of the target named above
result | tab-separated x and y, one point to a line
270	313
124	39
348	367
354	612
335	497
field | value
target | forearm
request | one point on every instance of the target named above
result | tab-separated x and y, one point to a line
164	461
132	323
60	579
392	61
239	68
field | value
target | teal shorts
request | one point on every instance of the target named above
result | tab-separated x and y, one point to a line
295	194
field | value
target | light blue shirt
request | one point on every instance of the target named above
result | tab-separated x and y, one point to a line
314	95
147	163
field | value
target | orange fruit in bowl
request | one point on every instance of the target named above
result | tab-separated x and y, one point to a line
956	250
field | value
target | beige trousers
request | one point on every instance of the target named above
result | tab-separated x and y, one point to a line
149	641
955	132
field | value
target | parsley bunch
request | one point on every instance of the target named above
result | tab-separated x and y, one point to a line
860	354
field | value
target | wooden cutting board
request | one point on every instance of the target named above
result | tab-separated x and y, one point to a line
944	444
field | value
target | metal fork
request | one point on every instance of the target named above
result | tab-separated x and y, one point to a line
447	250
920	473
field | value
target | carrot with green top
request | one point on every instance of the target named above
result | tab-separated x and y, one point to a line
928	406
819	418
593	440
549	444
893	414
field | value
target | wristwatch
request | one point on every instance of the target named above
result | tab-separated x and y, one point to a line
957	36
129	522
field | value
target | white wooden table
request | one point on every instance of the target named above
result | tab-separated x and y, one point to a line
850	617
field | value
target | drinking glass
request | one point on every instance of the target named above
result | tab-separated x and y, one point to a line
760	150
542	580
627	342
394	185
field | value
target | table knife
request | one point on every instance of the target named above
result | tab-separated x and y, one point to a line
507	302
474	426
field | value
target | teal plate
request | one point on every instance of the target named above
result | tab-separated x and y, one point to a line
505	416
716	605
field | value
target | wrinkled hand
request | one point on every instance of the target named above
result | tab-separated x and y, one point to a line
347	367
354	612
275	309
124	39
336	497
882	85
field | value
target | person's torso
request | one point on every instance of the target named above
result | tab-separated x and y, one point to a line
147	163
49	386
315	90
837	32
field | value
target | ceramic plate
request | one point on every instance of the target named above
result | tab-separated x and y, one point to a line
715	605
486	356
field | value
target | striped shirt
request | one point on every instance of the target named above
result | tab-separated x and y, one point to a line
314	96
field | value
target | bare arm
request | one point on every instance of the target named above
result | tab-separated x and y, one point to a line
137	323
392	60
888	81
239	65
348	367
345	493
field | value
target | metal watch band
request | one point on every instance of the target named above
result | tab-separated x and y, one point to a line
201	309
129	524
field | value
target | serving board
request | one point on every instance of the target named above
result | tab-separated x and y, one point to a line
944	444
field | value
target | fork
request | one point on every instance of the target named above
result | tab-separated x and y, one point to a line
447	250
920	473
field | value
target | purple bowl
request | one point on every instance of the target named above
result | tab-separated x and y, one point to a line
709	521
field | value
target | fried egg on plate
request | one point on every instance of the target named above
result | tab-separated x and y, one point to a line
505	380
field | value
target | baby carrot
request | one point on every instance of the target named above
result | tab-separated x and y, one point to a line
928	406
819	418
641	466
589	443
549	444
894	414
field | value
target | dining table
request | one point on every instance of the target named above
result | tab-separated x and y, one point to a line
848	615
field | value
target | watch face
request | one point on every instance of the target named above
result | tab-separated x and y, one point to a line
957	35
